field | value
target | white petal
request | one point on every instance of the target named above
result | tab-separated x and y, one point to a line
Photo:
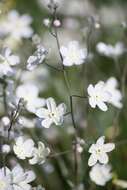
42	113
90	90
92	102
51	104
101	140
109	147
63	51
92	160
102	106
92	148
62	109
103	158
67	62
46	123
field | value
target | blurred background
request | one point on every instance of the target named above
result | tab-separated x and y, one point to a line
89	22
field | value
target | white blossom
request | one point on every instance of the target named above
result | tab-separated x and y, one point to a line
39	154
30	93
37	58
109	50
116	96
23	148
18	26
5	180
100	174
72	54
99	151
53	113
98	96
7	61
6	148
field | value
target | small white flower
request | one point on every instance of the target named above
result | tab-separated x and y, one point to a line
37	58
39	154
23	148
100	174
21	179
29	92
18	26
54	114
109	50
116	96
57	23
46	22
98	96
7	60
72	54
99	151
6	148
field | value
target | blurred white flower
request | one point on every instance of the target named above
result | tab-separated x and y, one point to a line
54	114
39	154
30	94
100	174
109	50
6	148
99	151
57	23
21	179
98	95
46	22
23	148
37	58
116	96
72	54
5	180
17	26
7	61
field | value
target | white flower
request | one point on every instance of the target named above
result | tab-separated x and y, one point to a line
18	26
72	54
30	94
7	60
23	148
99	151
5	180
6	148
54	114
100	174
46	22
21	179
37	58
120	183
98	96
39	154
116	96
109	50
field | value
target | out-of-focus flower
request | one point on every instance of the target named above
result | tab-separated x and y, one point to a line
116	96
54	114
17	26
39	154
100	174
109	50
72	54
46	22
99	151
120	183
98	95
7	61
5	180
30	94
25	122
6	148
57	23
23	148
37	58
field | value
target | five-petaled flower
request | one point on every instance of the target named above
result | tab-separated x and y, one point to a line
53	113
99	151
72	54
98	95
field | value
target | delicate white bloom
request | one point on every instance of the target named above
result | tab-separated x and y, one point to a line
72	54
37	58
18	26
99	151
116	96
109	50
98	96
53	113
120	183
23	148
7	60
57	23
100	174
30	94
6	148
5	180
46	22
39	154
